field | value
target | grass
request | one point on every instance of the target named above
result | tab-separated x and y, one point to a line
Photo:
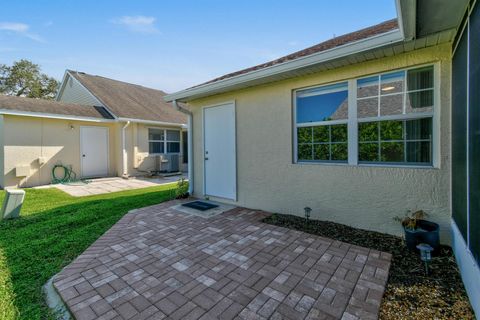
409	293
54	228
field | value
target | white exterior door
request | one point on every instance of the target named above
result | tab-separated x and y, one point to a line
94	151
220	151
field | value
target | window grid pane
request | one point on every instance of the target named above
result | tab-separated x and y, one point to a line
396	141
322	143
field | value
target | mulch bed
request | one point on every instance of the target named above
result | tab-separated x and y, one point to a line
409	294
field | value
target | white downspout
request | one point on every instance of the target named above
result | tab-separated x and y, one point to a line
190	144
124	152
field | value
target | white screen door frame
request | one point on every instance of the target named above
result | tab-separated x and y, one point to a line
94	151
220	151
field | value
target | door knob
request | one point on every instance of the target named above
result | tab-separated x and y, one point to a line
206	158
83	155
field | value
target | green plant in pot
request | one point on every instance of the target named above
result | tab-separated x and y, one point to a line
418	230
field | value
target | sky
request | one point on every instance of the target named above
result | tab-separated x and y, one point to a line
175	44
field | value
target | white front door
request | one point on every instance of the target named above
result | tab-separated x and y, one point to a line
220	151
94	151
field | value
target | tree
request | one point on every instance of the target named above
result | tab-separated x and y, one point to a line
24	79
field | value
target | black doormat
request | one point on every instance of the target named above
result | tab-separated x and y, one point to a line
200	205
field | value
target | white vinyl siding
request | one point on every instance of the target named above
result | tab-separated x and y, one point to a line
74	92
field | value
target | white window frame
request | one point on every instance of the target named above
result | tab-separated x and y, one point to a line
319	123
164	141
353	121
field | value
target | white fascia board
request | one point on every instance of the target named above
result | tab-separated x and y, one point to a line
62	86
159	123
407	18
381	40
52	116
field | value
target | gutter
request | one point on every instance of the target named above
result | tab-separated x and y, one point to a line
52	116
160	123
190	144
124	152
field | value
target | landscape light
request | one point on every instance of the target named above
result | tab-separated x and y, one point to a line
425	254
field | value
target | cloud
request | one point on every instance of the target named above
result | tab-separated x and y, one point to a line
20	29
140	24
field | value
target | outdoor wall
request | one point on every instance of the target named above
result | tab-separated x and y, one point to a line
145	161
361	196
28	138
2	185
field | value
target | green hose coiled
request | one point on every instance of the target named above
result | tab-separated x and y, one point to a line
68	175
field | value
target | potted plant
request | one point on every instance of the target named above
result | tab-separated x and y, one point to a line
418	230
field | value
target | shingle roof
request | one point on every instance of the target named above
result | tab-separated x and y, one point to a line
43	106
323	46
128	100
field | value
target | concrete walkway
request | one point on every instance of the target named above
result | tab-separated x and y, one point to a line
159	263
114	184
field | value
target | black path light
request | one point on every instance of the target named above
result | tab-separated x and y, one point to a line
425	254
307	212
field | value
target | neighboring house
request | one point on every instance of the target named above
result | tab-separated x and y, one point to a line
359	128
99	127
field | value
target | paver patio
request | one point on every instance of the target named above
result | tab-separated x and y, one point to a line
159	263
113	184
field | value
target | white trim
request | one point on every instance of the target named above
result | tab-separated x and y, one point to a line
321	123
391	37
159	123
407	116
52	116
165	141
81	148
352	120
352	132
62	86
233	102
124	151
469	268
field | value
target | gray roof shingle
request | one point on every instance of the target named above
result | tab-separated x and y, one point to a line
128	100
42	106
365	33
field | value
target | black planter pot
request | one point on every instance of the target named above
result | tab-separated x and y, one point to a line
426	232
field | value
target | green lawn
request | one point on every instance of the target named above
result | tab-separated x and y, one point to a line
53	230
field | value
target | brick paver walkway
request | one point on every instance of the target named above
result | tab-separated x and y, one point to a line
157	263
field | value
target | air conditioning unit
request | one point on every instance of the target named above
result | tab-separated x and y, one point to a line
167	163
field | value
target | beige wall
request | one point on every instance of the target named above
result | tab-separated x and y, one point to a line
144	161
28	138
2	134
361	196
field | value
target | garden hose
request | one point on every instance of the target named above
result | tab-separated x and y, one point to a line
69	175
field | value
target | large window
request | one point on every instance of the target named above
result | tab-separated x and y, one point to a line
394	112
163	141
321	123
391	122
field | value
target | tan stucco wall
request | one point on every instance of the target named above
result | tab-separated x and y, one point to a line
28	138
2	134
361	196
145	161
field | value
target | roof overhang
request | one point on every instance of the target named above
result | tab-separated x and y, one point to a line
417	19
52	116
286	69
